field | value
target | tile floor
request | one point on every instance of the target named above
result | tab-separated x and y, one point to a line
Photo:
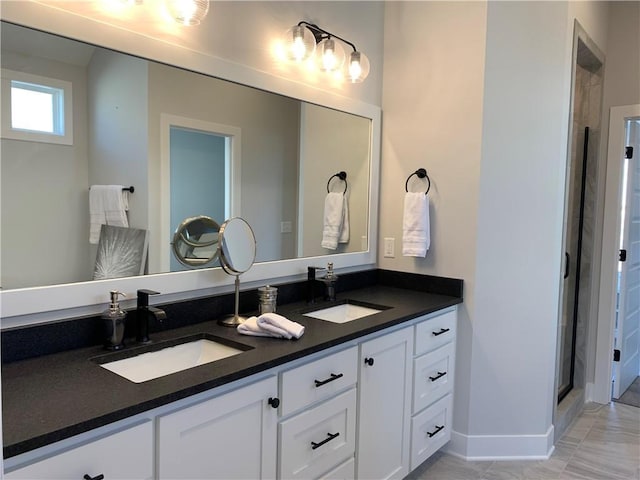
632	395
603	443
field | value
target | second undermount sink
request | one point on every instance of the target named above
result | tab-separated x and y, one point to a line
344	312
174	357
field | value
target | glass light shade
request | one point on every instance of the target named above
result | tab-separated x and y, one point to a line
330	55
358	68
299	43
187	12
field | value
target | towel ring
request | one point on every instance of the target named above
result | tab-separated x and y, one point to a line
342	176
420	173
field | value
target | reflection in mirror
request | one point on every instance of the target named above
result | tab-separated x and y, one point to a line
274	174
237	254
195	242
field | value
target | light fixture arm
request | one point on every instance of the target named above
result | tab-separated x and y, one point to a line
320	34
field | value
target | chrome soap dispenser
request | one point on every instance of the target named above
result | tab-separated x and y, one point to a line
114	321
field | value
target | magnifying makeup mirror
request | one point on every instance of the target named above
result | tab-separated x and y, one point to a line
237	253
195	241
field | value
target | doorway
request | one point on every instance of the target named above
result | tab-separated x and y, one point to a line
201	170
626	343
619	310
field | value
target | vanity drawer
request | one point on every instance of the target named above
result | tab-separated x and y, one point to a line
133	449
318	380
435	332
346	471
317	440
433	376
430	430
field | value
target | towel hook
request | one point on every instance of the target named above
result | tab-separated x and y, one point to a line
342	176
420	173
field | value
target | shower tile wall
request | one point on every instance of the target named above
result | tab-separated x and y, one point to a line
587	108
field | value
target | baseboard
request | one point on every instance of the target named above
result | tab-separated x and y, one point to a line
501	447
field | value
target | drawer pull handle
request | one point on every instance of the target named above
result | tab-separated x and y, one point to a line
438	428
369	361
274	402
442	330
333	377
89	477
330	437
440	375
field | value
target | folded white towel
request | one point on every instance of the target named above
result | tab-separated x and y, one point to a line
271	325
250	327
416	235
108	205
280	326
333	218
344	231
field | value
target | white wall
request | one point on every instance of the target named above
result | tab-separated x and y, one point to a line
485	110
432	104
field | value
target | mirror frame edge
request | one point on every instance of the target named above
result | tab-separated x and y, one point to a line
42	304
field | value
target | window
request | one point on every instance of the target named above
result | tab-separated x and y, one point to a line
36	108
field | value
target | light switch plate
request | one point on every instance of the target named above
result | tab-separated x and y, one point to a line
390	247
285	227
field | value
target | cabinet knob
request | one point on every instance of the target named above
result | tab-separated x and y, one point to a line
368	361
274	402
89	477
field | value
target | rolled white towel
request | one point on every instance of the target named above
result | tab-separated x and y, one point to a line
280	326
250	327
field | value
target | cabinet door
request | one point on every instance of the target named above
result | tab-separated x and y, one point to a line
126	455
384	406
230	436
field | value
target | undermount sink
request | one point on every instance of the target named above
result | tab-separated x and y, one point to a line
344	312
174	357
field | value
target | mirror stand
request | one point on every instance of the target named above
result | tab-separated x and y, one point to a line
235	319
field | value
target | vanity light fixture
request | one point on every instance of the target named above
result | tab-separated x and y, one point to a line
305	39
187	12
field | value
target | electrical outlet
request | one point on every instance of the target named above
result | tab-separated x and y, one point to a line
390	247
285	227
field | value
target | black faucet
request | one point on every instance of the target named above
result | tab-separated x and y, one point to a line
311	283
144	312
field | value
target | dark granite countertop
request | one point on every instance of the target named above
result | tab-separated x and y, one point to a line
53	397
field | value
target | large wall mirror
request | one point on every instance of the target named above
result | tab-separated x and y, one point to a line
191	144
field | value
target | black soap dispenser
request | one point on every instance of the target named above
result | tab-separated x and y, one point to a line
114	321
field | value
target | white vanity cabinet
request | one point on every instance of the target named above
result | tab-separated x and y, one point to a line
317	432
384	406
433	376
231	436
371	408
124	455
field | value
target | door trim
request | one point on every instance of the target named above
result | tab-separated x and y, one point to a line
601	392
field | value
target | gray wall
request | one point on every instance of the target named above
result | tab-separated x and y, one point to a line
54	203
269	125
327	136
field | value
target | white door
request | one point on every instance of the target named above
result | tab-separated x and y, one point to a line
384	406
627	338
